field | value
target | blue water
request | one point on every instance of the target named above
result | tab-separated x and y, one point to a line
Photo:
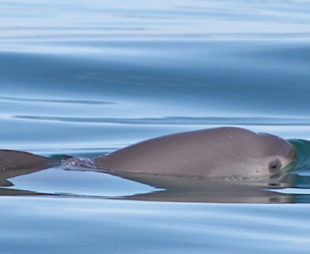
85	78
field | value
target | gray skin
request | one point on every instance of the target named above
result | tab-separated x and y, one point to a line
188	167
227	152
219	153
15	163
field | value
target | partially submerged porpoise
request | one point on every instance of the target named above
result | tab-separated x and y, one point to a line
226	152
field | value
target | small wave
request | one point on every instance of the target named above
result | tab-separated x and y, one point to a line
175	120
303	155
45	100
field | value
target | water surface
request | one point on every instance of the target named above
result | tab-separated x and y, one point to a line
84	78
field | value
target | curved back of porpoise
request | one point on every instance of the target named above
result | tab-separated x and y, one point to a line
219	152
14	163
11	159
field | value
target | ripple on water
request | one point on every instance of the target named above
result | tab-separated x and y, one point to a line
88	77
134	227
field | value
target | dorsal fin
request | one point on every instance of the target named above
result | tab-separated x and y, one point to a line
11	159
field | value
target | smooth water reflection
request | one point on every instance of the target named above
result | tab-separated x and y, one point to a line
163	19
207	79
54	225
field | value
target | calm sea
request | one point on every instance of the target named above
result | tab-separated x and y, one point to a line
85	78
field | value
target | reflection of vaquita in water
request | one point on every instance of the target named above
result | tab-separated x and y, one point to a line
222	164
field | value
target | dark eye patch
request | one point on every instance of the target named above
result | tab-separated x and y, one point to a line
275	165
